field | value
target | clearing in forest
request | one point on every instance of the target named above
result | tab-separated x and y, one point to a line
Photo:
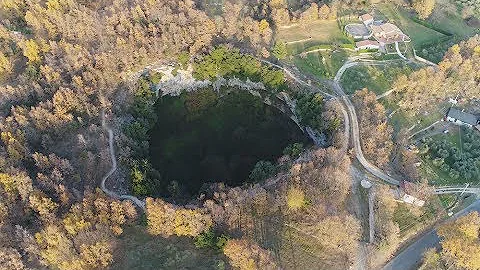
301	36
323	64
378	79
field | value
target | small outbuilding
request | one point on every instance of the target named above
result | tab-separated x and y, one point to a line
462	118
366	19
366	45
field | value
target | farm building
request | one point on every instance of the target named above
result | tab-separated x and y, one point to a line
367	44
459	117
366	19
388	33
384	33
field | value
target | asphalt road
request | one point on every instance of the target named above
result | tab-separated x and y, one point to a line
411	257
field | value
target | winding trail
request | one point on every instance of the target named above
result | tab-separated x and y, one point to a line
386	93
424	129
111	193
295	78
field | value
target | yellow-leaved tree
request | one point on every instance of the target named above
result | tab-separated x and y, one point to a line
166	219
461	242
248	256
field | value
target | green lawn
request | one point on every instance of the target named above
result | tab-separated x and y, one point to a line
436	176
447	199
447	17
401	120
417	32
378	79
318	32
409	222
139	250
321	64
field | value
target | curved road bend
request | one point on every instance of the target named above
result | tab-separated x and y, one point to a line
352	120
411	257
355	127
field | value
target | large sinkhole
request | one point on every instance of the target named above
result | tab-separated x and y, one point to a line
205	137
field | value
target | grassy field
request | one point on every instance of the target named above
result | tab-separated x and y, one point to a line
317	32
447	199
400	119
417	32
378	79
411	220
294	248
139	250
447	17
321	64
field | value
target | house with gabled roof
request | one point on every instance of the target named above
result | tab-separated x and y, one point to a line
366	19
462	118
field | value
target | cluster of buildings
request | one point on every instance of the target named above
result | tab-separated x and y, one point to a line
382	33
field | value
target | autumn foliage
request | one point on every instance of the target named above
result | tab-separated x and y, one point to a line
461	241
166	219
248	256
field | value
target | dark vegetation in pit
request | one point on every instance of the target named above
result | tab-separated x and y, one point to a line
203	137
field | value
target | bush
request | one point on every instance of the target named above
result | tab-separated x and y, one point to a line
262	170
295	198
183	58
347	46
309	109
154	77
293	150
224	62
209	239
280	50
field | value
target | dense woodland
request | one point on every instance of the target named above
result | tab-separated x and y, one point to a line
460	239
375	132
62	64
65	63
457	76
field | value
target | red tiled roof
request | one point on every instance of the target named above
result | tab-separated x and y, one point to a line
366	17
388	33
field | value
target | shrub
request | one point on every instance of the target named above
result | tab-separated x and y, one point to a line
262	170
295	198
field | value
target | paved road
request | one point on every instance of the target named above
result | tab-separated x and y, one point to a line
411	257
398	51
